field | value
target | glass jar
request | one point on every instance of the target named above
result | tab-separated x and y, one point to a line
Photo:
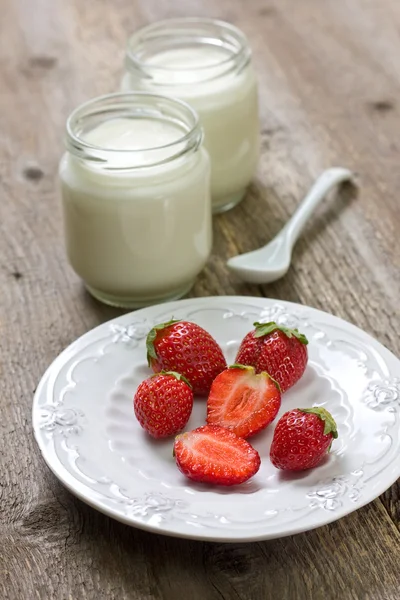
136	198
207	63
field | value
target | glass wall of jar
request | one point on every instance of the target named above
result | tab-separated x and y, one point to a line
136	198
207	63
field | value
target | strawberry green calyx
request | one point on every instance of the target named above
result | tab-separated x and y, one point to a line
177	376
273	380
263	329
151	336
252	369
243	367
324	415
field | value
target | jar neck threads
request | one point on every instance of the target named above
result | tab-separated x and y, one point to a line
133	106
154	52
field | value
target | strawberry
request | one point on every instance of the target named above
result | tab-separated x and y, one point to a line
188	349
163	404
212	454
242	401
279	351
301	439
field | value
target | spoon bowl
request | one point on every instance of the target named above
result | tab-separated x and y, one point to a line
260	266
271	262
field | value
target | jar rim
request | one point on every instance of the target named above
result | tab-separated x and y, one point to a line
239	49
181	113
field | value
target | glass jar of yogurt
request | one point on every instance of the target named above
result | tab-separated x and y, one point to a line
207	63
136	198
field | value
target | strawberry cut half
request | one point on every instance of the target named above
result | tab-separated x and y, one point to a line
243	402
212	454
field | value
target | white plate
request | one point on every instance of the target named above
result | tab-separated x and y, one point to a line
86	429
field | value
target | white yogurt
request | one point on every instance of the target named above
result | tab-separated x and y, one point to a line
215	76
138	224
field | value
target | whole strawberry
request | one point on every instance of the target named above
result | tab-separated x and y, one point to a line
213	454
302	438
280	351
188	349
242	401
163	404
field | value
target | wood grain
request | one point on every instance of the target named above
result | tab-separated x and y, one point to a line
329	86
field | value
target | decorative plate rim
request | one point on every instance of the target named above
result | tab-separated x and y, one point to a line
93	498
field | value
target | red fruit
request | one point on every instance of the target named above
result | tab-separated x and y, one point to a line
242	401
302	437
188	349
212	454
163	404
279	351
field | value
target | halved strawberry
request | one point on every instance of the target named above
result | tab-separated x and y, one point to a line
212	454
242	401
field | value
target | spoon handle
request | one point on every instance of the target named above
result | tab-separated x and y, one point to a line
325	182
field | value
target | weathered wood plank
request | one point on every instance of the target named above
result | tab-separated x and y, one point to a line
329	83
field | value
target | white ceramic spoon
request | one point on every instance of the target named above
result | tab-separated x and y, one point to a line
272	261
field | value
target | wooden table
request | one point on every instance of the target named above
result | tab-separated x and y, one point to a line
329	88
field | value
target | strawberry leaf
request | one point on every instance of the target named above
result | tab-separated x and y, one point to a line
250	368
274	381
263	329
330	423
151	336
177	376
243	367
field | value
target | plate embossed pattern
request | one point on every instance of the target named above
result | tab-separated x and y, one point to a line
84	424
